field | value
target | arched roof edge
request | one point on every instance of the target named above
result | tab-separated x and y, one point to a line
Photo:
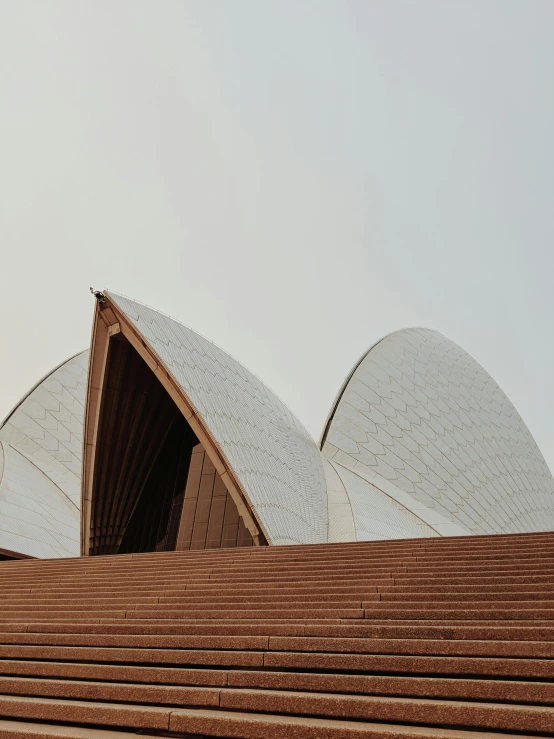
351	374
38	384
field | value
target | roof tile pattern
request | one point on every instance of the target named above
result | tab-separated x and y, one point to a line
271	453
47	425
40	484
376	515
422	414
36	517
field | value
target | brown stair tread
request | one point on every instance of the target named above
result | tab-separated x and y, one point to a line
347	645
348	629
381	639
20	676
122	715
245	725
28	730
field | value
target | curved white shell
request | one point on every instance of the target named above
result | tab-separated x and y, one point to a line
40	478
272	455
425	423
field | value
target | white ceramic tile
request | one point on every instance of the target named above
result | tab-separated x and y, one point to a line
461	441
277	462
40	484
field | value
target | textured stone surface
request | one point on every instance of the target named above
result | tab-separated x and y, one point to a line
109	714
17	730
463	660
379	708
255	726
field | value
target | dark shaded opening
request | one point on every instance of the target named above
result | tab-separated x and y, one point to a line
154	525
142	466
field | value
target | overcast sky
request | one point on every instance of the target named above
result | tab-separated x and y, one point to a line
292	178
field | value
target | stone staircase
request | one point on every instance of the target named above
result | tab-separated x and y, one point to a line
410	639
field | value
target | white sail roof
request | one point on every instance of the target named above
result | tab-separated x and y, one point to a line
276	461
40	473
425	423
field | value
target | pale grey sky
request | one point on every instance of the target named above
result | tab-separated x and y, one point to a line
292	178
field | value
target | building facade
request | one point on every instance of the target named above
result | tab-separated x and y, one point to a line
156	439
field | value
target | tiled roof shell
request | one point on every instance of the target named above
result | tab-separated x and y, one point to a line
40	473
273	456
424	422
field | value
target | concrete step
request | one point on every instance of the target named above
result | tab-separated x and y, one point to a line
154	718
404	630
117	692
421	665
510	691
194	603
101	682
356	645
270	612
484	647
190	598
159	642
121	715
266	726
435	570
457	547
516	595
458	714
453	603
216	658
322	584
116	672
513	599
468	613
428	638
263	627
28	730
540	587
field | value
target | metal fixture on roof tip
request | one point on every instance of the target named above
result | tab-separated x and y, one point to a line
99	295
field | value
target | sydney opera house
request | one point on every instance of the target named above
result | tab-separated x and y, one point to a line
155	439
182	559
